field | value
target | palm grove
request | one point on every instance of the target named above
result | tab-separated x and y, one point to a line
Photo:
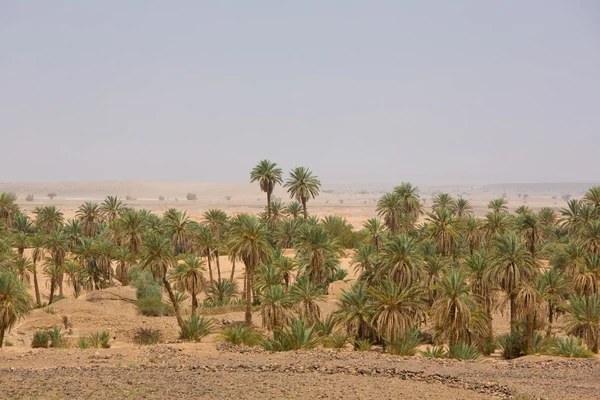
435	276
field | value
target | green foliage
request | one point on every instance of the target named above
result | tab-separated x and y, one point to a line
325	326
221	292
145	285
489	346
41	339
435	352
335	340
153	307
99	339
463	351
49	310
542	344
295	336
82	343
56	337
195	328
511	345
571	347
363	344
405	345
241	335
147	336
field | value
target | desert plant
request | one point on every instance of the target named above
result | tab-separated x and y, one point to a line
29	197
363	344
489	346
325	326
161	198
147	336
41	339
195	328
99	339
435	352
239	334
56	337
511	345
571	347
83	343
405	345
295	336
191	196
463	351
52	195
335	340
542	344
49	310
153	307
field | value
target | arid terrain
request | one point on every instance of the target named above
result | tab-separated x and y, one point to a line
210	369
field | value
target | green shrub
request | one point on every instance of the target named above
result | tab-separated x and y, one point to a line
56	337
153	307
49	310
145	285
405	345
41	339
435	352
147	336
82	343
240	334
221	292
326	325
511	345
99	339
542	344
489	346
571	347
363	344
195	328
335	340
463	351
295	336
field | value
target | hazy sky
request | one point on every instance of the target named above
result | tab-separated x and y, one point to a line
358	91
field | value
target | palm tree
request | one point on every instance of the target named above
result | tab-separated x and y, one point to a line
188	277
496	223
267	275
23	267
472	232
178	225
205	244
130	228
586	279
90	217
571	216
303	186
443	200
390	208
554	288
451	312
124	259
478	266
285	266
498	205
74	230
409	198
591	236
274	307
54	271
111	208
75	272
592	197
49	219
434	265
396	309
249	240
15	302
528	301
529	226
461	208
267	175
294	209
8	209
364	259
57	245
157	257
443	229
583	319
103	251
511	265
37	244
313	243
278	211
401	261
376	231
305	295
354	311
217	222
285	233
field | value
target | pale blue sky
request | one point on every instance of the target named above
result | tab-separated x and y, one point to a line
358	91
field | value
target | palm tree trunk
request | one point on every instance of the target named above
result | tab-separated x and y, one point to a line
248	315
52	288
304	208
173	301
269	206
550	318
513	316
194	302
1	337
218	265
232	270
530	334
60	285
38	298
210	272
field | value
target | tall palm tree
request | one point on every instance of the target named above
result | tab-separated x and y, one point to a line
530	230
15	302
111	208
591	236
314	244
178	225
157	257
462	208
205	244
498	205
217	222
409	198
274	307
554	288
443	200
497	223
49	219
23	267
592	196
293	209
90	216
396	309
249	240
451	312
130	228
583	319
37	254
376	232
443	229
124	259
528	301
8	209
303	186
478	266
57	245
401	261
188	277
511	265
586	279
267	174
285	233
75	273
305	295
390	208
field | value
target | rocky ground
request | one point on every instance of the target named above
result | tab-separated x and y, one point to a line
184	370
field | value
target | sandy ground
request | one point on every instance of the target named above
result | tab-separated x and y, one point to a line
206	370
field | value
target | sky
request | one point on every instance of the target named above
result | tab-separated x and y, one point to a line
432	92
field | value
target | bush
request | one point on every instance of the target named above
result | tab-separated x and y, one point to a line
99	339
161	198
12	196
405	345
336	340
52	195
571	347
82	343
29	197
326	325
147	336
511	345
191	196
489	346
153	307
295	336
144	284
41	339
435	352
195	328
221	292
363	344
56	337
463	351
542	345
240	334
